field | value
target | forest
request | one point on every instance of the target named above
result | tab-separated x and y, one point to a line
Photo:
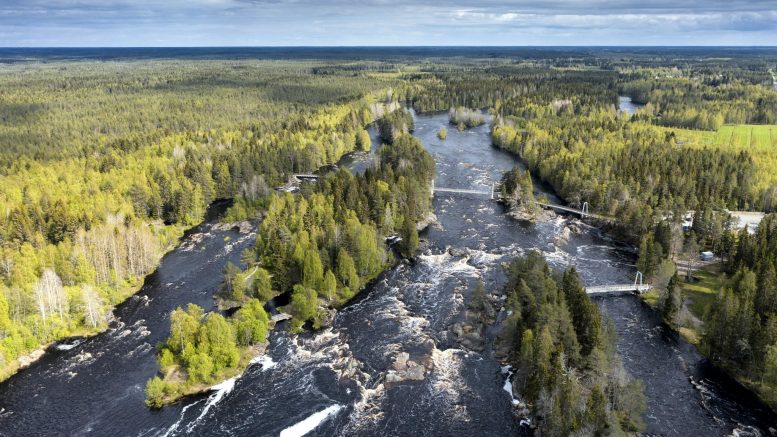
105	164
318	247
92	205
564	354
740	331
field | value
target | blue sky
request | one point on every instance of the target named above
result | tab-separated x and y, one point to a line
102	23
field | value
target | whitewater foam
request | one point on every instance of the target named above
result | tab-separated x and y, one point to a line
312	422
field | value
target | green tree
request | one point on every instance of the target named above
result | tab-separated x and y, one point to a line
409	236
262	284
673	300
155	392
312	272
596	412
329	286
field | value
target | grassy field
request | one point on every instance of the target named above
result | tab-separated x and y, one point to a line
759	140
702	294
699	297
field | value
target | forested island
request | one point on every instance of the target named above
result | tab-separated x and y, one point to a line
337	229
105	165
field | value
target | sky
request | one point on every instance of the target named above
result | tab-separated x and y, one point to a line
186	23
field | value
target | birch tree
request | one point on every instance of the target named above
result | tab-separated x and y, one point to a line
50	295
92	305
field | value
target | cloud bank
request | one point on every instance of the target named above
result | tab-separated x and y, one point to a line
52	23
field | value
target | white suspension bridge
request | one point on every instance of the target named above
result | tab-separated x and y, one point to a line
493	194
637	287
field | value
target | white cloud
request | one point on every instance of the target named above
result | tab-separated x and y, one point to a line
375	22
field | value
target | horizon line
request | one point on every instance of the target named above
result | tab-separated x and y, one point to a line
384	46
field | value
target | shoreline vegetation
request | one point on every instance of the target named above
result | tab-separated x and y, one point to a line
566	366
725	307
95	192
465	118
93	202
318	247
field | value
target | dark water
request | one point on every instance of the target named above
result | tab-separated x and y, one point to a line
97	386
625	104
333	382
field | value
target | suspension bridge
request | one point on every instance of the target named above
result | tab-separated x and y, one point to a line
494	194
637	287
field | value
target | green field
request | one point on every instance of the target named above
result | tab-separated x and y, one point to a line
702	294
759	140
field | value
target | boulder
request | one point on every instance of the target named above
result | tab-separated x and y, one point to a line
405	369
563	236
415	372
27	360
401	362
393	377
426	221
280	317
328	318
456	251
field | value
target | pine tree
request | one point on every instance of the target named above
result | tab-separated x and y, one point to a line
673	300
596	412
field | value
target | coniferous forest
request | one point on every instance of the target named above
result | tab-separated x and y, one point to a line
104	164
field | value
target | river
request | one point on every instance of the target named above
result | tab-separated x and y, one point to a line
331	382
625	104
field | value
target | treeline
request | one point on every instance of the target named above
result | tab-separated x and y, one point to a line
510	86
741	328
564	354
702	101
82	226
465	118
320	247
58	110
623	169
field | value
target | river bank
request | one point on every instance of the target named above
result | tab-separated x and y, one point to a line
82	333
712	392
747	391
334	380
698	296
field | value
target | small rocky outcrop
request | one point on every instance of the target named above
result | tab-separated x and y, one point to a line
404	369
563	236
469	336
427	221
536	214
27	360
244	227
327	318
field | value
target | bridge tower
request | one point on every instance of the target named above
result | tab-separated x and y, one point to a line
493	188
585	210
638	278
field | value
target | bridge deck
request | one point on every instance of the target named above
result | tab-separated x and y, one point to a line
494	192
458	190
617	288
572	210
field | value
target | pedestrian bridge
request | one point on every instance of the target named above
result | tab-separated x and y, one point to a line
617	288
493	194
637	287
490	194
